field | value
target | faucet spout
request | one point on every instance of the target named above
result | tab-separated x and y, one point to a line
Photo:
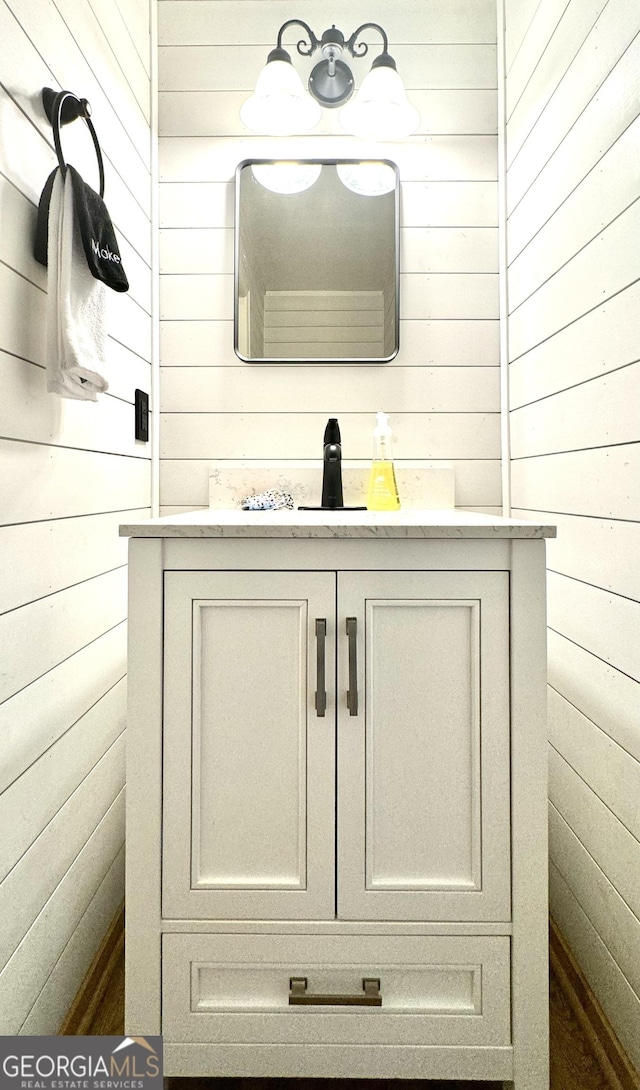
332	465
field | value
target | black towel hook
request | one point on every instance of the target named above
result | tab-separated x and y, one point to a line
61	107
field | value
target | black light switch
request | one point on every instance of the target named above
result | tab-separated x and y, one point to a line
142	416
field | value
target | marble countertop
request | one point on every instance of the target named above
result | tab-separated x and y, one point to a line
410	523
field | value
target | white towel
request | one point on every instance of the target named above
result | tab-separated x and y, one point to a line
76	306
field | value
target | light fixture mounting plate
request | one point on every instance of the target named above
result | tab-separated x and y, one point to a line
331	91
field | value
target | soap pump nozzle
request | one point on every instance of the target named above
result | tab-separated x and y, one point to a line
382	438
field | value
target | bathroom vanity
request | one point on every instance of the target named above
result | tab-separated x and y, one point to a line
336	795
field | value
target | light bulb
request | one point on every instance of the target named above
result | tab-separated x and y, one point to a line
280	104
381	109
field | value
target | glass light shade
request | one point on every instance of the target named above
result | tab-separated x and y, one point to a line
367	179
280	104
381	109
286	177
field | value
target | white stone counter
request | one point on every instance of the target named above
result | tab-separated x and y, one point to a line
339	524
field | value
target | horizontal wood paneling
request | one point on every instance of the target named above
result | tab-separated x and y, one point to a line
518	18
213	405
598	413
604	193
602	340
599	551
401	390
42	634
449	250
33	719
419	158
449	204
27	971
23	314
125	140
44	557
220	22
582	78
608	841
197	250
601	692
573	234
71	470
252	435
421	296
196	204
63	982
217	113
605	266
187	480
594	132
601	482
595	619
117	33
185	298
422	343
130	323
210	250
560	30
127	371
103	39
43	482
27	887
612	772
609	914
424	204
453	295
48	783
218	68
28	413
135	15
616	996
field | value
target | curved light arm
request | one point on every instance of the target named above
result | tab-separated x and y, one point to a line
313	41
362	48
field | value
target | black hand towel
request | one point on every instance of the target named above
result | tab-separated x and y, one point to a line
96	229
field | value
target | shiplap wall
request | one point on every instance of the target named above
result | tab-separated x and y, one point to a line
573	236
443	387
69	471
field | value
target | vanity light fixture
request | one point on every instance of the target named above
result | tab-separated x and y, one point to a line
280	105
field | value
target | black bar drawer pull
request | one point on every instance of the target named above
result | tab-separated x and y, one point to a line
352	692
370	996
321	687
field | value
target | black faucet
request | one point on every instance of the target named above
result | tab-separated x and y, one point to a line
332	472
332	466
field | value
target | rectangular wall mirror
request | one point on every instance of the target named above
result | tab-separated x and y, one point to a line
316	261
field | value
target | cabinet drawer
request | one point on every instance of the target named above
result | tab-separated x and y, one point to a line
436	990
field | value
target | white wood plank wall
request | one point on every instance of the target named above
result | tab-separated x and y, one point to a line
443	387
573	238
70	472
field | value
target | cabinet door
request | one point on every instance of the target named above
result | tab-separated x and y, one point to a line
423	766
249	766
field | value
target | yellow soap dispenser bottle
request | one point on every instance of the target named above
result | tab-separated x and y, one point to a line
382	494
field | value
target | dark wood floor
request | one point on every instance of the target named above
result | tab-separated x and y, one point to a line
573	1064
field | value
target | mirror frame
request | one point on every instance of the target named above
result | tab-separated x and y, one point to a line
236	267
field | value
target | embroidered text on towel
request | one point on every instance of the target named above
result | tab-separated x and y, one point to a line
105	252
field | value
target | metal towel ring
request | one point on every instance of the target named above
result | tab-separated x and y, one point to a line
61	107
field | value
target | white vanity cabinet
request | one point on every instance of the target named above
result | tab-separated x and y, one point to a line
336	796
